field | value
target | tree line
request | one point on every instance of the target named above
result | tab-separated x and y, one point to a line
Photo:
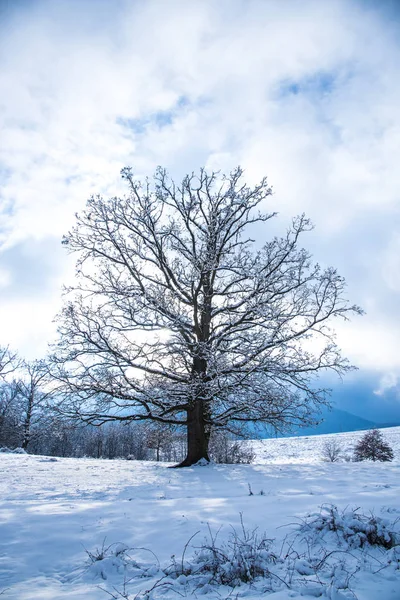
29	419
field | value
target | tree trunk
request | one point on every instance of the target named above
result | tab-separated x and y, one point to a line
197	436
27	423
26	440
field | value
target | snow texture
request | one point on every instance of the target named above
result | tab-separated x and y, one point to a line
84	529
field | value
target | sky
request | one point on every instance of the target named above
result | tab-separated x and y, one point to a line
306	93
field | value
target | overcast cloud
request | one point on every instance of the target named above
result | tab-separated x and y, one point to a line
305	92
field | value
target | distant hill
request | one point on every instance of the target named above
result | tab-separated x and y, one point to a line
334	421
337	421
392	424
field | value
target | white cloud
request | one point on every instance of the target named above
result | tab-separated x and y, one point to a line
5	278
27	324
391	263
387	382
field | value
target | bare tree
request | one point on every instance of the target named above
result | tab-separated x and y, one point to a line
9	362
34	395
24	402
176	317
10	414
224	448
372	446
331	450
161	438
9	400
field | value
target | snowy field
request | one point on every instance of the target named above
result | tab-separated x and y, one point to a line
309	449
85	529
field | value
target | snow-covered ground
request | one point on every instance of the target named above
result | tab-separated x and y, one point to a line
54	512
309	449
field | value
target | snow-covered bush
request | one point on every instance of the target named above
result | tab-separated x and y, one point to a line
350	528
243	558
372	446
105	561
319	558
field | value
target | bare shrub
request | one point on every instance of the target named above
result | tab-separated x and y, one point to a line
99	553
331	450
243	558
226	450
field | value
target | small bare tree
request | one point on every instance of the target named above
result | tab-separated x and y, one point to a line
225	448
176	316
34	395
372	446
10	414
161	438
9	399
331	450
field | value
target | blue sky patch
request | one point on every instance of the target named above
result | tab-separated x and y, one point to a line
319	84
161	119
